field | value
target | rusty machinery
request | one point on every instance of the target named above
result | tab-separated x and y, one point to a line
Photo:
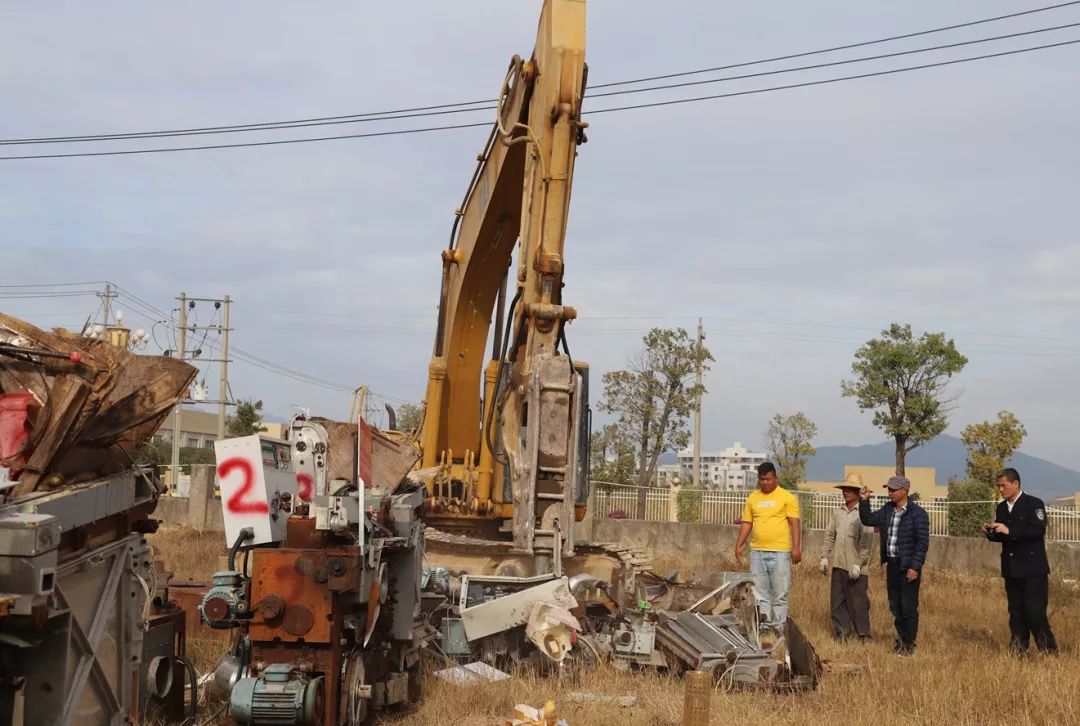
86	635
326	606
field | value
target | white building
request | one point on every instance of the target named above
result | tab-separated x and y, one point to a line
666	474
731	470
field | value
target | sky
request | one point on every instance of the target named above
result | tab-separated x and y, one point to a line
797	223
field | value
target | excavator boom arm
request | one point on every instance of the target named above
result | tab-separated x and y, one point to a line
519	195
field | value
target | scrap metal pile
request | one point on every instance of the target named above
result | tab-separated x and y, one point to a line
334	603
327	598
79	627
325	608
709	625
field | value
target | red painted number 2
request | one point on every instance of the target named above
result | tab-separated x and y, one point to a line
305	486
238	503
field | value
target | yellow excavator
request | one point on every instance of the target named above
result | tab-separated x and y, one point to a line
508	461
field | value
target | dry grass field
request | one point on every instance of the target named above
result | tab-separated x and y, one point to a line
961	673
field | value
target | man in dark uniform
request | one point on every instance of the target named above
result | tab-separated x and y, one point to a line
1020	527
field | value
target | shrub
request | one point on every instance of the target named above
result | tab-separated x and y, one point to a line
966	520
688	505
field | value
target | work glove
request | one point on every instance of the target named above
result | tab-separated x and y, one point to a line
824	565
854	572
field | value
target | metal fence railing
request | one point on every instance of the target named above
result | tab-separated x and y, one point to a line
716	507
1062	525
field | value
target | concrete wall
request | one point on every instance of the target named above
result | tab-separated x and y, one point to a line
680	539
673	539
201	510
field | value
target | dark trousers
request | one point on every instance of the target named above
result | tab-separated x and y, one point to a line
903	603
850	605
1028	597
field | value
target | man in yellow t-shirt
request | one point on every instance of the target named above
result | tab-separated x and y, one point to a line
772	515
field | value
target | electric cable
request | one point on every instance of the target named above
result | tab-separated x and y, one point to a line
280	142
826	81
655	104
65	284
440	109
830	64
45	295
848	46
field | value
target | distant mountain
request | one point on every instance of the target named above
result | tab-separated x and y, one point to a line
949	457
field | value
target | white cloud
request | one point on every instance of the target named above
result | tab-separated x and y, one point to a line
798	223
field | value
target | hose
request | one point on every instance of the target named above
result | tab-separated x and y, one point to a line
194	677
498	378
245	534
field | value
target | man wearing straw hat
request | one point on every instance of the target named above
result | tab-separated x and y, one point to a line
847	547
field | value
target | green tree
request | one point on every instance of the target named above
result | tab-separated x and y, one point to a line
990	444
654	397
409	417
247	420
790	441
904	381
611	457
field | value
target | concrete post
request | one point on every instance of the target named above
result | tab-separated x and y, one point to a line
201	497
697	698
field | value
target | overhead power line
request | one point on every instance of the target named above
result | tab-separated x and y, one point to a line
484	104
805	84
43	295
849	46
367	118
55	284
826	81
272	126
248	144
261	363
153	313
830	64
263	126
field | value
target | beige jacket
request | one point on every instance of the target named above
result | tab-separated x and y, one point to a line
847	541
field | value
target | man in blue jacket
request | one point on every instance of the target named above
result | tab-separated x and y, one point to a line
905	536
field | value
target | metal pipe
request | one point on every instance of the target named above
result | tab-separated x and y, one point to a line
15	350
440	328
500	316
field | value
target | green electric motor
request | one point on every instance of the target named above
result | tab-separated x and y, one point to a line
281	696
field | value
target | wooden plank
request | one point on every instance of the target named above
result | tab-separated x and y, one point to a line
392	458
144	403
65	403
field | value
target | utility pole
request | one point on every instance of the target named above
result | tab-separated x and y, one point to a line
223	388
181	343
359	401
697	412
108	297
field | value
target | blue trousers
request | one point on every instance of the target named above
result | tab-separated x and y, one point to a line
772	583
